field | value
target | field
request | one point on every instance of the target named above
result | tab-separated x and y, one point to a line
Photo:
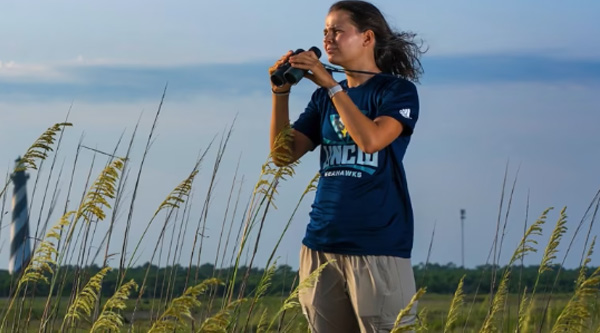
433	309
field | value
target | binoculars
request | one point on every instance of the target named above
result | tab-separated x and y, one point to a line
285	73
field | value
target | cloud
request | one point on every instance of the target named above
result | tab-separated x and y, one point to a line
510	68
7	65
127	83
13	72
109	82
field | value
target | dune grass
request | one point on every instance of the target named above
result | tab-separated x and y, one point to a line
140	306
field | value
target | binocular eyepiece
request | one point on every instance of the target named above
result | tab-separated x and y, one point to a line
285	73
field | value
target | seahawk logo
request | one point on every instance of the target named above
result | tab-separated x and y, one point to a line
339	127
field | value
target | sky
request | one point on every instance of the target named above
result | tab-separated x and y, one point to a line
510	88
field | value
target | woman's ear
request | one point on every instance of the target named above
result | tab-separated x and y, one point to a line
368	38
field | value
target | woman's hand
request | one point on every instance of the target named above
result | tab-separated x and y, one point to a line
318	74
286	86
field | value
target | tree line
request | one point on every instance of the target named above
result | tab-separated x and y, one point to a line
438	278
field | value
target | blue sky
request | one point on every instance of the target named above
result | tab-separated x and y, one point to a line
508	83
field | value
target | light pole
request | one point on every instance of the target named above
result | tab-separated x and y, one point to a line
462	236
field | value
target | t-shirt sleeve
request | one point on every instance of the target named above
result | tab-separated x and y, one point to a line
309	121
401	102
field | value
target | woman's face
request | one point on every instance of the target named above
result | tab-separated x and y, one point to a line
342	41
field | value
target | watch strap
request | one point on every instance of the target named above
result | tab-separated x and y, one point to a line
334	90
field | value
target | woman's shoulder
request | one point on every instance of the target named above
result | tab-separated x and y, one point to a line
319	93
390	80
387	84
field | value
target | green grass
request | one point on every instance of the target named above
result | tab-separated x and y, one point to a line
435	306
143	321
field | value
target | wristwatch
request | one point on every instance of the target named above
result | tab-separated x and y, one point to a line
334	90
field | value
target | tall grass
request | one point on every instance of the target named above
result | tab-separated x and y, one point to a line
225	302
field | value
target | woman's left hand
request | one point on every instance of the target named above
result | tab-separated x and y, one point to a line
318	74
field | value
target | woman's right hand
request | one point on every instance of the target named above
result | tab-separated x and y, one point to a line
286	86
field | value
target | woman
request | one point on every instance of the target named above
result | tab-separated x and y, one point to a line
361	216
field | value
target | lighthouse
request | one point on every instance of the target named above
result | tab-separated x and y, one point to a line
20	248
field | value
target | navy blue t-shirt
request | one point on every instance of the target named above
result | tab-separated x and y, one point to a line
362	205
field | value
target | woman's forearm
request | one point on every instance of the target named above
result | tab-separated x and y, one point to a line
369	135
280	119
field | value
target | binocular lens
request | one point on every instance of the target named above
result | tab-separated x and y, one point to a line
287	74
278	77
277	80
293	75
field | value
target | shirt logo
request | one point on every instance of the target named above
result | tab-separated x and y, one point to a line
340	156
405	113
339	128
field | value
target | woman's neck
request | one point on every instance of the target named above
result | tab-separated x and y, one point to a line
356	79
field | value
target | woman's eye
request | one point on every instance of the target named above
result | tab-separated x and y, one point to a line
335	32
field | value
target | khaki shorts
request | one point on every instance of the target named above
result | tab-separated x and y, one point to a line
355	293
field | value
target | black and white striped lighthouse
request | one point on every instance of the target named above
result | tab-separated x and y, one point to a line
20	249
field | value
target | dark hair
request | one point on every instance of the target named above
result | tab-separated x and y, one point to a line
395	52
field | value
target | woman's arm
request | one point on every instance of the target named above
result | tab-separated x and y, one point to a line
299	144
280	120
369	135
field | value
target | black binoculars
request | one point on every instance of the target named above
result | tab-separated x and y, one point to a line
285	73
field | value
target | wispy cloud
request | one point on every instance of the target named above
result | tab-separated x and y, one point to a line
119	82
510	68
11	71
97	83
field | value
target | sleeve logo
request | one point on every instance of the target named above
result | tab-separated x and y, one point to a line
405	113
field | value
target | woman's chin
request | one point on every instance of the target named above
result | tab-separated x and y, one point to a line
333	60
